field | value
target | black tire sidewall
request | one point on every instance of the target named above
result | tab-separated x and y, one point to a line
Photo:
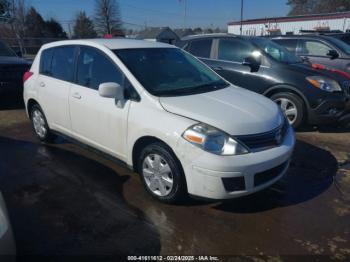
299	105
179	189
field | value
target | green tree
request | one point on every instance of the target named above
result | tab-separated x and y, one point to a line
54	29
83	26
35	24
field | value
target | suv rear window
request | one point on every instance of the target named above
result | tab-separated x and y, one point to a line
200	48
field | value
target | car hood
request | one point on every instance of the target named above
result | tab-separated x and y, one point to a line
234	110
13	60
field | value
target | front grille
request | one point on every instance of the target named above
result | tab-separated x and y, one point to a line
346	88
266	176
265	140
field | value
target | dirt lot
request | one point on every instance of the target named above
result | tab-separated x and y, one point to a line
66	200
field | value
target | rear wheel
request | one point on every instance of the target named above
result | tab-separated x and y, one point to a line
40	126
292	106
161	173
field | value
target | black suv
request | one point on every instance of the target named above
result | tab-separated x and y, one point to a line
12	69
318	49
261	65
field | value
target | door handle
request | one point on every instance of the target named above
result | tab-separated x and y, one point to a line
77	95
42	84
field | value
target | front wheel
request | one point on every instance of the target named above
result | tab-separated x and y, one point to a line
161	173
292	106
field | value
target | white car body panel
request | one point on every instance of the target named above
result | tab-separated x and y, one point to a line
98	122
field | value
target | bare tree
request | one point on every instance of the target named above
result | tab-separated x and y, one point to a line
83	26
18	12
107	16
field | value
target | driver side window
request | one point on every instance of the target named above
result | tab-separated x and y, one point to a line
235	50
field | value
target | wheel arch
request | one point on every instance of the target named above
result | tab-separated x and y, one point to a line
31	102
289	89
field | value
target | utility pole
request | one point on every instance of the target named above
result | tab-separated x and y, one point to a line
240	29
185	14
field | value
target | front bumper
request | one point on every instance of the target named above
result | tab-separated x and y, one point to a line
223	177
331	110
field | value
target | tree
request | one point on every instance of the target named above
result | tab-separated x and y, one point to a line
4	7
198	31
35	24
302	7
83	26
107	16
54	29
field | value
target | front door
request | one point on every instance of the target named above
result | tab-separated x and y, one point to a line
96	120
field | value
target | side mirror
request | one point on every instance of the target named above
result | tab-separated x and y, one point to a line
333	54
112	90
254	62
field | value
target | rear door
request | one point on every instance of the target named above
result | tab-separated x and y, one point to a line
96	120
54	81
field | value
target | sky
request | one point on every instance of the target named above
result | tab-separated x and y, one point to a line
140	13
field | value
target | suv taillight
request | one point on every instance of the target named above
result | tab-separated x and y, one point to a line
27	75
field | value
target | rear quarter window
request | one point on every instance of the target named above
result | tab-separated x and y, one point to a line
45	62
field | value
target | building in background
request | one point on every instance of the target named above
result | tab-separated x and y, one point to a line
292	24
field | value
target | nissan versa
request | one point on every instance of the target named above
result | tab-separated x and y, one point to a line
182	127
306	95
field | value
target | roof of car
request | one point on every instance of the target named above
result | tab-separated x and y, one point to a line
190	37
303	36
114	43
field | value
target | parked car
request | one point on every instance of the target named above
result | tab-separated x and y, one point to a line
161	111
12	69
318	49
345	37
258	64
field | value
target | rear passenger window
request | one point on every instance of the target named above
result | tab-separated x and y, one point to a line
200	48
62	66
290	44
94	68
45	62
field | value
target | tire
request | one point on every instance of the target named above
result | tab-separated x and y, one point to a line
162	174
292	106
40	126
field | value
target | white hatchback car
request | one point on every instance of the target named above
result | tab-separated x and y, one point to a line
161	111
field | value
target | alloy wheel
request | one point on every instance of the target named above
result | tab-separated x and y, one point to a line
289	109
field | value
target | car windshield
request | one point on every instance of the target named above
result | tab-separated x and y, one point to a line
170	71
5	50
276	51
342	45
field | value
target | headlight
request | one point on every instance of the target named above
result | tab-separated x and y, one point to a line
324	83
213	140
